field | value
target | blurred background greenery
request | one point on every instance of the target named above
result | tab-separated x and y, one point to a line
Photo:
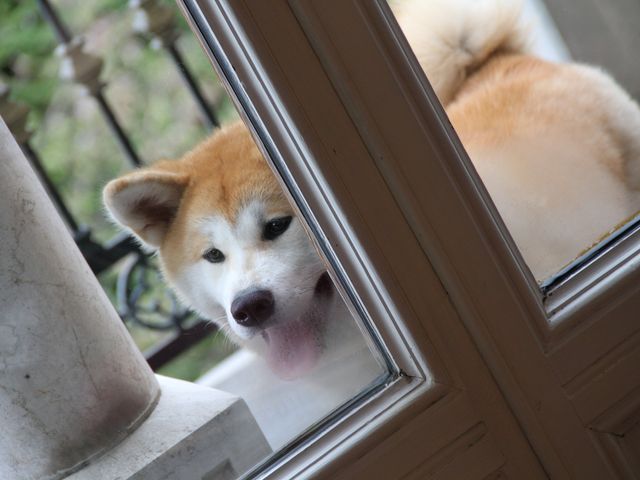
71	137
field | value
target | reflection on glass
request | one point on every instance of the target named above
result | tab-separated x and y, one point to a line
556	144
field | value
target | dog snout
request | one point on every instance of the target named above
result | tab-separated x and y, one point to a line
252	309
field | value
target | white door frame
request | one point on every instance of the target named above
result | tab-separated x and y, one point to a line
486	379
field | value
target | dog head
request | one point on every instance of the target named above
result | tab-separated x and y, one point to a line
231	246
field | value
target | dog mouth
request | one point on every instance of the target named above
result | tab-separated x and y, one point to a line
324	286
294	348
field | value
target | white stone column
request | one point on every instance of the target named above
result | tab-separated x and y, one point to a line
72	383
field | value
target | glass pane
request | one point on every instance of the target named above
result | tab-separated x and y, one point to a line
556	142
232	248
223	285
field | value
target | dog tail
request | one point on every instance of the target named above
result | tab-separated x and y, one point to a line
451	38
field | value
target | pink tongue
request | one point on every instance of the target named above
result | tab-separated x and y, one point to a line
293	349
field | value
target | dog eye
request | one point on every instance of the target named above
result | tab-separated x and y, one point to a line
276	227
213	256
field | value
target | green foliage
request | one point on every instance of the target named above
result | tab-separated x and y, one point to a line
23	32
105	7
25	52
146	93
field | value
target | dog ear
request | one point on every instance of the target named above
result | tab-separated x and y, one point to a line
146	202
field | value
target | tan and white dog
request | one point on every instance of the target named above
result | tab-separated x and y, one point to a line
556	145
231	246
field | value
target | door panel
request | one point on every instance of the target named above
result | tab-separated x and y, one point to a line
503	392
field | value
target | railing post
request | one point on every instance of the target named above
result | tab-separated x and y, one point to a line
84	69
72	383
157	20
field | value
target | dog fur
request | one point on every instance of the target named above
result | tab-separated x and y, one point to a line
556	146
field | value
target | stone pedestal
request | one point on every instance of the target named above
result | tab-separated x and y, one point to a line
194	433
72	383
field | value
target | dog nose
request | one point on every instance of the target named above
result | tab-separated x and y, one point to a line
252	308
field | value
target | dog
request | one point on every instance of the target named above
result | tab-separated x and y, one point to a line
232	248
555	144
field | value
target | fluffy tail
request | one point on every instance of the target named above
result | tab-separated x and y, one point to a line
450	38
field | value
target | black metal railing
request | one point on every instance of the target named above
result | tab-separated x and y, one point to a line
135	305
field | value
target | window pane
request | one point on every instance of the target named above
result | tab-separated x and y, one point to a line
555	141
223	284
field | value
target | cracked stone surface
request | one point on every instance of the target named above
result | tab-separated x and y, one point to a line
72	383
